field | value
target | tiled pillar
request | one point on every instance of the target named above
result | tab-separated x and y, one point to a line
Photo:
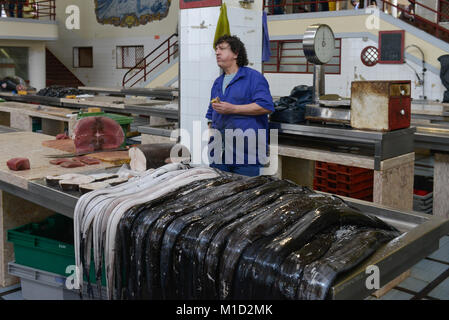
198	67
36	65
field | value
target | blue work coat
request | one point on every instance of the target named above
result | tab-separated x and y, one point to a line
248	86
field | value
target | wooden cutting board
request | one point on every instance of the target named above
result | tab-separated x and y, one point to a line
114	157
67	145
29	145
64	145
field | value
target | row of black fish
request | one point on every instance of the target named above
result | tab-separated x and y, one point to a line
60	92
225	236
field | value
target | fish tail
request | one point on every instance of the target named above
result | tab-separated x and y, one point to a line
100	295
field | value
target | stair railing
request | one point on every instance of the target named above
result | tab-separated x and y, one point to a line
150	63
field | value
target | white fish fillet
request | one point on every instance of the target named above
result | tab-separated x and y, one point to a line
161	189
86	200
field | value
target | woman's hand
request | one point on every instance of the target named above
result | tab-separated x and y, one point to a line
224	107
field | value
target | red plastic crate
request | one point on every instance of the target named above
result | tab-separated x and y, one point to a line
332	185
324	187
319	187
321	173
326	166
331	190
321	165
368	198
319	184
345	187
320	181
355	178
332	167
326	177
358	195
420	192
351	170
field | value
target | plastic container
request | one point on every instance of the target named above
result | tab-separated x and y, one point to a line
41	285
352	170
355	187
36	124
320	173
47	246
358	195
355	178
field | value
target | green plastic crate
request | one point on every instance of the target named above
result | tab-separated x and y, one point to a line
47	246
123	121
37	124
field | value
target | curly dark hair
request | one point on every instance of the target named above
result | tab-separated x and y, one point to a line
237	47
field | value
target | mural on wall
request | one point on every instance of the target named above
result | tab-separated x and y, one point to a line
130	13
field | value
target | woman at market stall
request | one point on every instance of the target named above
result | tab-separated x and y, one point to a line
240	99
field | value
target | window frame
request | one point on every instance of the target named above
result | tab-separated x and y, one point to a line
122	66
79	64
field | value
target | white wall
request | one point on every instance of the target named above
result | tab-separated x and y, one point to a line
36	60
352	69
104	39
198	64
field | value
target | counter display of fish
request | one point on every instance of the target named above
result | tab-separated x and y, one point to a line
198	233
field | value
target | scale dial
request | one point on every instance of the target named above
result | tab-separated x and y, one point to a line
319	44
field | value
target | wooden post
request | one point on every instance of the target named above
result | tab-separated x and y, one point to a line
440	186
21	121
300	171
393	186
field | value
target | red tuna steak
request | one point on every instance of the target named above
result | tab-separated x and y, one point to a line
58	161
97	133
62	136
87	160
72	164
18	164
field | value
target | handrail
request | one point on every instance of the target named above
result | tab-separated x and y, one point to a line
314	6
418	17
46	8
425	7
146	65
30	9
300	5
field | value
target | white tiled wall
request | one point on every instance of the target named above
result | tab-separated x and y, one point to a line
352	69
198	69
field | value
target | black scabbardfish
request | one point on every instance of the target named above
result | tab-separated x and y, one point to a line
290	271
268	224
212	240
344	255
145	222
167	229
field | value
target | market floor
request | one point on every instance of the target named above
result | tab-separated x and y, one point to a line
429	280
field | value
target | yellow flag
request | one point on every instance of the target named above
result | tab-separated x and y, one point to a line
222	24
